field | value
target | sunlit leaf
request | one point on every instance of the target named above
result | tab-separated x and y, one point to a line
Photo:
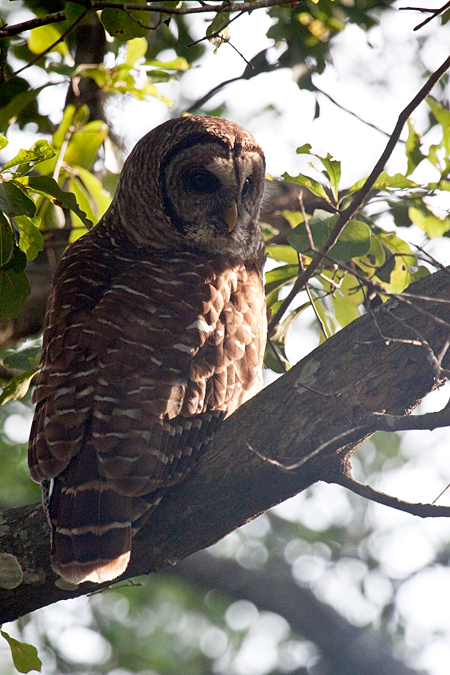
31	239
347	299
333	170
39	152
3	141
412	147
177	64
386	182
136	49
423	218
283	253
60	134
42	38
84	144
313	185
442	115
16	388
279	277
24	656
293	217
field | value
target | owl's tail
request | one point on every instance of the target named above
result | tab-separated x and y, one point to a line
91	524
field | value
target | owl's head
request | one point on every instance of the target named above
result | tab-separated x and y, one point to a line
195	182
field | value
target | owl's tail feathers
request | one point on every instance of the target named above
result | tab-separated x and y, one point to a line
91	527
84	557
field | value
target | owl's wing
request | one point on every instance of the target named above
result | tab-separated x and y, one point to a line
137	375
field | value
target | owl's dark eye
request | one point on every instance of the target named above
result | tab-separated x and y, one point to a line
247	185
202	182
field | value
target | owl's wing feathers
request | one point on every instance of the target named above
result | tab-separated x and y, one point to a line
136	379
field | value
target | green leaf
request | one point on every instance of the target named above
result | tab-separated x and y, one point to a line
293	217
354	240
177	64
283	253
3	141
304	149
413	151
386	182
136	49
126	25
10	112
16	388
31	239
279	277
25	657
423	218
400	275
347	299
100	198
39	152
333	171
220	21
73	11
6	240
43	37
60	134
14	200
48	187
442	115
278	365
313	185
14	285
23	359
85	143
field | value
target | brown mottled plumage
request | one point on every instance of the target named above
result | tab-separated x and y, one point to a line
155	333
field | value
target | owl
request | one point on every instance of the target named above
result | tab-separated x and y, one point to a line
155	333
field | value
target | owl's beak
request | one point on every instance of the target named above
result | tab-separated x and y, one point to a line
230	216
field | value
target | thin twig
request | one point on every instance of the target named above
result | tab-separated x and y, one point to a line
416	509
49	49
361	195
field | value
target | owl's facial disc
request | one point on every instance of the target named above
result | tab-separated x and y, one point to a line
212	195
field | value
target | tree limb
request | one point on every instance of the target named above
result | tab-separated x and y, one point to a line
359	374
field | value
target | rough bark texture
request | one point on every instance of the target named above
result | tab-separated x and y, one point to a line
354	373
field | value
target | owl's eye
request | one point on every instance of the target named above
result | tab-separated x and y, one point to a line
247	185
202	182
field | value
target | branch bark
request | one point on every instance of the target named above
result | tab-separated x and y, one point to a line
355	373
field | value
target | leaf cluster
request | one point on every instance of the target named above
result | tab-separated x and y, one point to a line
368	263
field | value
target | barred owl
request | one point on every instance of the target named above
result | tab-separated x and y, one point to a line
154	334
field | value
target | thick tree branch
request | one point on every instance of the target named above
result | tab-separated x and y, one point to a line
319	402
157	7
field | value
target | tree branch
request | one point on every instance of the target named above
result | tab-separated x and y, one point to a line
360	374
361	195
157	7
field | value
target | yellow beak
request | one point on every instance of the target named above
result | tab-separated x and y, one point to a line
230	216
